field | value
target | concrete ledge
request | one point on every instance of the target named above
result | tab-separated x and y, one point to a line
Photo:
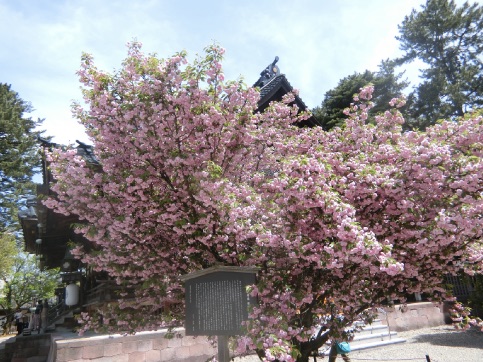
414	316
141	347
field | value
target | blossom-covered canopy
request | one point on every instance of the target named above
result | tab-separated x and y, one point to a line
337	222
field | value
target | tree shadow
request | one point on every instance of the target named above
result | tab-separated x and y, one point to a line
468	339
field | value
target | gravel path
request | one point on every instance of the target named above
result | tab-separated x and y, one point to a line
441	344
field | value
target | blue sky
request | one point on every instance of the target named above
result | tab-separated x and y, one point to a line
318	42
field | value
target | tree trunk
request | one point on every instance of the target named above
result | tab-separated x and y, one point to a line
8	320
307	349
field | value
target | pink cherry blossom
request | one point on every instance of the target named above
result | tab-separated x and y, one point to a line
190	176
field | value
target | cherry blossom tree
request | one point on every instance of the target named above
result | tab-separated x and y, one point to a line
338	223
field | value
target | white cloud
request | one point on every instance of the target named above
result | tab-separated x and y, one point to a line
318	42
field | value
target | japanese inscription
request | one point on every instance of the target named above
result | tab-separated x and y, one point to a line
217	303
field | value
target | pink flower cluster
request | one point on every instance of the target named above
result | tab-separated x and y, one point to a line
190	176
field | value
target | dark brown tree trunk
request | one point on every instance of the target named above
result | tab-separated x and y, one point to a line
307	349
310	349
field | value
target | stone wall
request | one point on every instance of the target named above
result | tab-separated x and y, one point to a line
33	348
141	347
153	346
414	316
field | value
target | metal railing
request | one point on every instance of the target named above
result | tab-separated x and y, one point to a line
55	311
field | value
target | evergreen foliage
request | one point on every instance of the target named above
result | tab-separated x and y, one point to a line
449	41
18	154
8	250
387	85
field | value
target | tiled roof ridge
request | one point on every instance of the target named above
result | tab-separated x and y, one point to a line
266	89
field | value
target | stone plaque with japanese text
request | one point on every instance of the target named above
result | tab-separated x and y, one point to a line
217	301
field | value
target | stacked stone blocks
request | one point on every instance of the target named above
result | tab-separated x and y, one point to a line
141	347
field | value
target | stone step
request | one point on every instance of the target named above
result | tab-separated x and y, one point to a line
375	327
65	320
375	322
372	335
368	330
371	329
384	336
375	344
367	345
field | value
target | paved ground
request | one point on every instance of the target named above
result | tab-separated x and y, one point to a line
441	344
4	338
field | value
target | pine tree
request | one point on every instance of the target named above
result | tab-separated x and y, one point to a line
18	154
387	85
449	41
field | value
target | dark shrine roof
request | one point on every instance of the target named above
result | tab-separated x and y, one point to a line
273	86
87	152
83	149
